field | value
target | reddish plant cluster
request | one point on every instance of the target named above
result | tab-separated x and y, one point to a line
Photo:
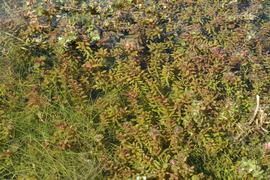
172	83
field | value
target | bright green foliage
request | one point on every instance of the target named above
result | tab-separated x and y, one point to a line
162	89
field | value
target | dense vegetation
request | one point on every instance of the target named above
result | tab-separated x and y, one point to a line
166	89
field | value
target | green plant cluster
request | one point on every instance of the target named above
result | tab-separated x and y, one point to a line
164	89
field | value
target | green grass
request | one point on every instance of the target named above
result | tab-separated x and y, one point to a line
50	141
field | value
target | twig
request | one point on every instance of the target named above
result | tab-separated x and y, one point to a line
256	109
11	35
